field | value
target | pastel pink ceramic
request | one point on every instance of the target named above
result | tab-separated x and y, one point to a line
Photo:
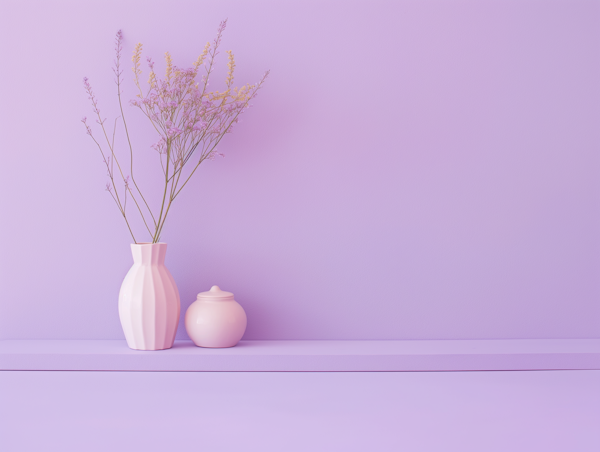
149	300
215	319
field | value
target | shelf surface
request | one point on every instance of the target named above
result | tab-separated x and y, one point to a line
543	411
306	356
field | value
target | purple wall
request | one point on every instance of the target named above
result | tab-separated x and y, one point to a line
411	169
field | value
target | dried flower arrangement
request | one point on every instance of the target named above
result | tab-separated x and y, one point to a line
189	120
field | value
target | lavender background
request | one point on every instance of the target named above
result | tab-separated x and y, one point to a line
411	169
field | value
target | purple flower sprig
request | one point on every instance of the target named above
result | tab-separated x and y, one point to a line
189	120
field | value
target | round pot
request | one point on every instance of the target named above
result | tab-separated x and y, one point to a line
215	319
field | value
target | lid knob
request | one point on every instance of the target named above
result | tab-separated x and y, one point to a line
215	293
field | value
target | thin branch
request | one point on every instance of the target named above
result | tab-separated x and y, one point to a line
131	147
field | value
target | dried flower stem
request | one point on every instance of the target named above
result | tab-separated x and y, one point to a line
119	72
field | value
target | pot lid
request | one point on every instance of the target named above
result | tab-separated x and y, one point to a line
216	293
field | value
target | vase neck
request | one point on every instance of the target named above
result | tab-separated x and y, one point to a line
149	253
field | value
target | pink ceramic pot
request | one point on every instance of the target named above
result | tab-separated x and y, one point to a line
215	319
149	300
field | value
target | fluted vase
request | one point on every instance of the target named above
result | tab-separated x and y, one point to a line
149	300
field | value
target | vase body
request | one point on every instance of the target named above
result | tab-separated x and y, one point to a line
149	300
215	319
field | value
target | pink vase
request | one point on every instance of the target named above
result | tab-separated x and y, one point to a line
149	300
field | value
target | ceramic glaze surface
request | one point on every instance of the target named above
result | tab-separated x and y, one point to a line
149	300
215	319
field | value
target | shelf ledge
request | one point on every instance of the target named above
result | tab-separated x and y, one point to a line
305	356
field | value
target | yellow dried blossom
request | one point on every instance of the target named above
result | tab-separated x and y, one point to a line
201	58
243	94
169	61
137	54
152	79
216	95
231	67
